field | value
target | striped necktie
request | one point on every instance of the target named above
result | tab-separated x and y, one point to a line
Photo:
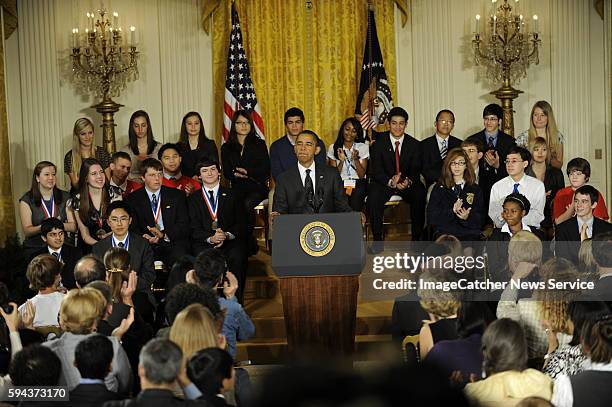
443	150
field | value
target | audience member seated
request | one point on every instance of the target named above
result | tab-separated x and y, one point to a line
580	227
508	380
44	275
13	323
209	272
159	215
43	200
578	173
79	316
170	157
485	179
602	253
119	185
516	206
568	359
543	308
350	155
212	371
142	144
441	306
217	221
586	262
194	328
591	387
93	358
90	204
517	181
194	145
552	177
435	148
36	366
161	365
185	294
395	161
89	268
408	315
123	282
83	147
455	203
461	358
543	125
141	254
53	234
495	142
246	165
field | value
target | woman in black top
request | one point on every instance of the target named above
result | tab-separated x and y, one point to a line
246	164
552	177
89	205
83	146
195	146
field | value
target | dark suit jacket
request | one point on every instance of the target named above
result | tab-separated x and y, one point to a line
69	255
504	143
497	253
407	316
141	258
382	159
290	195
155	398
603	289
441	216
85	395
553	182
567	237
432	162
173	212
230	217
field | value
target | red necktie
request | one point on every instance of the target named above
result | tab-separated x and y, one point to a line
397	157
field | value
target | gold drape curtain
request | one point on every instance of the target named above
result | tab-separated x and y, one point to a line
309	57
7	210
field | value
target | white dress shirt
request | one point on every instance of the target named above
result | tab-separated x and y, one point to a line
303	169
393	140
532	188
589	224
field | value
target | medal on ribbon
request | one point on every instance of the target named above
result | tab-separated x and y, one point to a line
49	212
212	209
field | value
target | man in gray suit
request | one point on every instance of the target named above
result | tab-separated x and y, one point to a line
141	254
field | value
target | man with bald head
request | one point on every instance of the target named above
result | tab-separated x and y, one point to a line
309	186
89	269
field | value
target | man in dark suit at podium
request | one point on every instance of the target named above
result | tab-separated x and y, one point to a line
309	187
395	161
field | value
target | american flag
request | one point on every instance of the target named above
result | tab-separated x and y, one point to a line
239	89
374	100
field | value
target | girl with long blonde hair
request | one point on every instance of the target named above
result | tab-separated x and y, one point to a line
543	124
83	147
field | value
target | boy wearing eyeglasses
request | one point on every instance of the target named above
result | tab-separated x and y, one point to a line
516	162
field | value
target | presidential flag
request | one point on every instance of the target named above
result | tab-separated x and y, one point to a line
239	89
374	100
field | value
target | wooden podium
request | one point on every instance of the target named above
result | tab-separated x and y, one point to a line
318	259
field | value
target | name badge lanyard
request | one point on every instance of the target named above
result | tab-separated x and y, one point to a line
49	213
157	213
126	243
212	207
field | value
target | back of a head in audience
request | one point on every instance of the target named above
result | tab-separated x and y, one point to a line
193	329
438	302
553	302
179	270
44	271
504	347
93	357
185	294
212	371
596	339
81	310
473	317
105	289
208	268
583	309
35	365
160	363
89	269
586	261
602	251
117	264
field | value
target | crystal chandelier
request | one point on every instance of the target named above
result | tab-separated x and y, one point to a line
103	62
505	51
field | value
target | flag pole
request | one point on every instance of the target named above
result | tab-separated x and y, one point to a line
370	93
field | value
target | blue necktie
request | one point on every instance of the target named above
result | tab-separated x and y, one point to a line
515	190
154	202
